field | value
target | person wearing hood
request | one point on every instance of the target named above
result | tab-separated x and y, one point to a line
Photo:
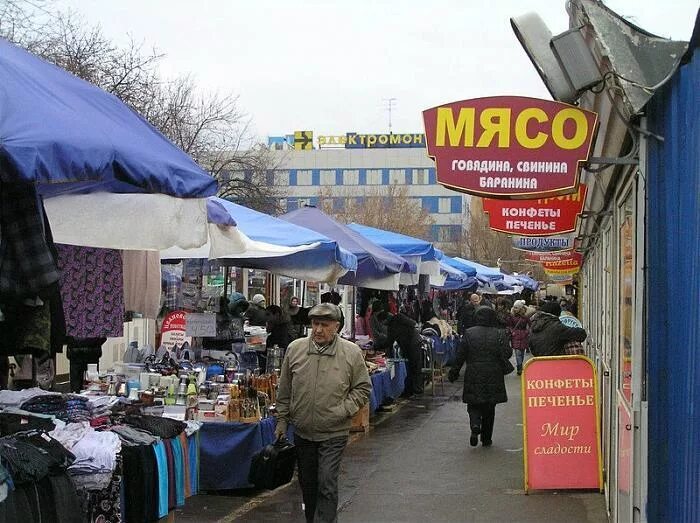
549	336
483	348
256	314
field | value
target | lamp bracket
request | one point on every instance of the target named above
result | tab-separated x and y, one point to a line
609	160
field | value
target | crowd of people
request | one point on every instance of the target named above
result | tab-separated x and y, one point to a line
324	382
491	332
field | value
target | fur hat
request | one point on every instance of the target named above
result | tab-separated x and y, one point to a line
258	299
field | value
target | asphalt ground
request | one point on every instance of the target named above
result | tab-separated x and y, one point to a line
416	465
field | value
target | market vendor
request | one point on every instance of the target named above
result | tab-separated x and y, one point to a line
323	384
256	314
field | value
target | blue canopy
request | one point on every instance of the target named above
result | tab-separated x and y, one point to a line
459	265
527	282
69	136
323	257
373	262
483	273
397	243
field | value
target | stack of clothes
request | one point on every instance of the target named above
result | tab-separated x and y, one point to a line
66	407
98	459
38	488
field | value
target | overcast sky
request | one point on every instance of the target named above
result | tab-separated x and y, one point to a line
329	66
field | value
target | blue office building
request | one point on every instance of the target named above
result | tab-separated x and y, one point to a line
351	170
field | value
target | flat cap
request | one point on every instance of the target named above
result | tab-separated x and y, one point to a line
325	311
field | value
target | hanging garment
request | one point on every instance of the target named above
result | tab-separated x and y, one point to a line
27	266
92	290
141	276
162	468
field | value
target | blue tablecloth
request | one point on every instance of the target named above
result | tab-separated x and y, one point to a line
445	349
226	450
384	387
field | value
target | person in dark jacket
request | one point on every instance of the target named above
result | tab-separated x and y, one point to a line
548	336
402	329
483	348
256	314
465	314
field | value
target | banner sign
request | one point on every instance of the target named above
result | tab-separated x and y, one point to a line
568	272
560	279
561	426
543	243
542	257
174	330
572	263
372	141
541	217
509	146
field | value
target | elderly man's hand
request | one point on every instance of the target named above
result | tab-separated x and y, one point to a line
280	430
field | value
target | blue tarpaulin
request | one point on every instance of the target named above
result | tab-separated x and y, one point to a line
69	136
455	263
375	265
319	262
397	243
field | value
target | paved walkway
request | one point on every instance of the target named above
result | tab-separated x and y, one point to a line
416	465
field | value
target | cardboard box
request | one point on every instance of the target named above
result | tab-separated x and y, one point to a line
360	421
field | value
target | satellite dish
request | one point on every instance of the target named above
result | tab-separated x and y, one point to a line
535	37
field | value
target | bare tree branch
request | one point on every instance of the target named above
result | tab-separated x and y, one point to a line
210	127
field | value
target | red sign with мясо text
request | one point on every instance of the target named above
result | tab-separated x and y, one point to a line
561	427
542	217
509	146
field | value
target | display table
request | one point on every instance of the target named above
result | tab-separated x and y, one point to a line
387	387
226	450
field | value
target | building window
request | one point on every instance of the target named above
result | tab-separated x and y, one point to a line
447	233
430	204
327	177
338	204
351	177
444	206
397	176
304	178
420	176
281	178
374	177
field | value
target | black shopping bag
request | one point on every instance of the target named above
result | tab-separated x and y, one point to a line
273	466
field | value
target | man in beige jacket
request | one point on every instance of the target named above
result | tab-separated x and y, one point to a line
323	383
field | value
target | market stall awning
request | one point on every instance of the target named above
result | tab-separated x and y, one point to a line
111	179
265	242
377	267
68	136
453	278
527	282
483	273
422	253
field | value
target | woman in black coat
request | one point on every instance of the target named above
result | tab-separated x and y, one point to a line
483	349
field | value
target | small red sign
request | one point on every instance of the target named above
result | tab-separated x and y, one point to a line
173	331
542	257
543	217
561	428
509	146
